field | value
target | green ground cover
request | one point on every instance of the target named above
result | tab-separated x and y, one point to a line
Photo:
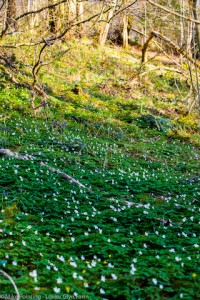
133	231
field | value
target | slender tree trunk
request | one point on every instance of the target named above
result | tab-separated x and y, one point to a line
62	10
106	26
22	7
145	23
190	30
197	27
30	5
125	31
182	24
125	26
182	29
145	47
72	15
80	16
34	19
31	17
11	14
52	17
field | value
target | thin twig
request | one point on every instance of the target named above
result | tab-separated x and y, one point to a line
14	285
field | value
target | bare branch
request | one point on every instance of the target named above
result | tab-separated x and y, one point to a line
2	5
8	152
122	9
12	281
34	71
39	10
173	12
70	179
64	175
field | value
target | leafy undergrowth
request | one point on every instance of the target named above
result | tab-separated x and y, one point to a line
133	231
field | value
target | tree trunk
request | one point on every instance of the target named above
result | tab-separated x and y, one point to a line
105	28
80	15
72	15
31	17
72	10
34	19
182	35
146	45
190	30
197	27
11	14
52	17
125	31
30	5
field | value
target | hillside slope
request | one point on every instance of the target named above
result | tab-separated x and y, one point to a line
132	230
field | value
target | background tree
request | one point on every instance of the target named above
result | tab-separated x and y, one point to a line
195	6
10	15
106	20
52	17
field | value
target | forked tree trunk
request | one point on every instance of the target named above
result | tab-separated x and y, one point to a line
145	47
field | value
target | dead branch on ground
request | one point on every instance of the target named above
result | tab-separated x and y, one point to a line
68	178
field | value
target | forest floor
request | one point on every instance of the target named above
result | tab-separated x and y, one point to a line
132	230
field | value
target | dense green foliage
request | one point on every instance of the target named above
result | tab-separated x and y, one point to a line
133	233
